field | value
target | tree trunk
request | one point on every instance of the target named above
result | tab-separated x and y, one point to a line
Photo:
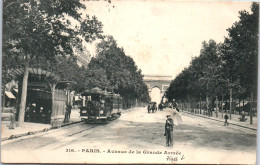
3	97
222	106
24	95
239	107
243	104
251	107
226	104
207	103
18	99
217	106
230	102
200	104
53	104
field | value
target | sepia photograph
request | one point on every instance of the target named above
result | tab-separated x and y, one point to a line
129	81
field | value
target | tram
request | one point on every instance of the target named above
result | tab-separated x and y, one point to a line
100	106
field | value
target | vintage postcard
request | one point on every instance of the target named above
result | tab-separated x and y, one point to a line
122	82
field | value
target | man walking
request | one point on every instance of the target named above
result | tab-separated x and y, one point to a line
174	105
226	118
160	107
66	119
169	131
69	111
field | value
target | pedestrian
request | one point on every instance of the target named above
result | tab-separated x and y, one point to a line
153	107
160	107
169	131
175	105
226	118
33	114
13	114
27	113
66	119
149	107
243	115
69	111
42	115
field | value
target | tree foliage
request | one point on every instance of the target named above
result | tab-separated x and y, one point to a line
223	66
112	70
240	51
39	30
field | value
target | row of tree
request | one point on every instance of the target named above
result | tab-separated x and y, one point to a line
48	33
112	70
227	69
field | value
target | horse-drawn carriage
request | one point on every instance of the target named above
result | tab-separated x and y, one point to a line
152	107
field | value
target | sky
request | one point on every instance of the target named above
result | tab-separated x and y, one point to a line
163	36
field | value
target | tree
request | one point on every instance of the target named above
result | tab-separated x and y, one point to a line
201	78
220	68
43	29
240	53
240	50
112	70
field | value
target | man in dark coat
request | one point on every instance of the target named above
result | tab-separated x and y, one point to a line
33	113
160	107
169	131
69	111
149	107
66	119
226	118
174	105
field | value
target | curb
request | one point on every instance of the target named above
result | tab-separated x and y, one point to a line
39	131
221	121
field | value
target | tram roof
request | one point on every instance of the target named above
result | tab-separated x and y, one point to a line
97	90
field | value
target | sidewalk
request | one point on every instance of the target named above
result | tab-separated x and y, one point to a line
29	128
233	121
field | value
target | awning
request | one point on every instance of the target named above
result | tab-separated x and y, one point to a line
19	72
16	90
9	95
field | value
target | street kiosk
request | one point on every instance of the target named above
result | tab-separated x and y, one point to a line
47	96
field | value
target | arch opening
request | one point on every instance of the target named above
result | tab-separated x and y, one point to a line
155	94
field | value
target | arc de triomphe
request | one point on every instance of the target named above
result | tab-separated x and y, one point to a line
157	81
